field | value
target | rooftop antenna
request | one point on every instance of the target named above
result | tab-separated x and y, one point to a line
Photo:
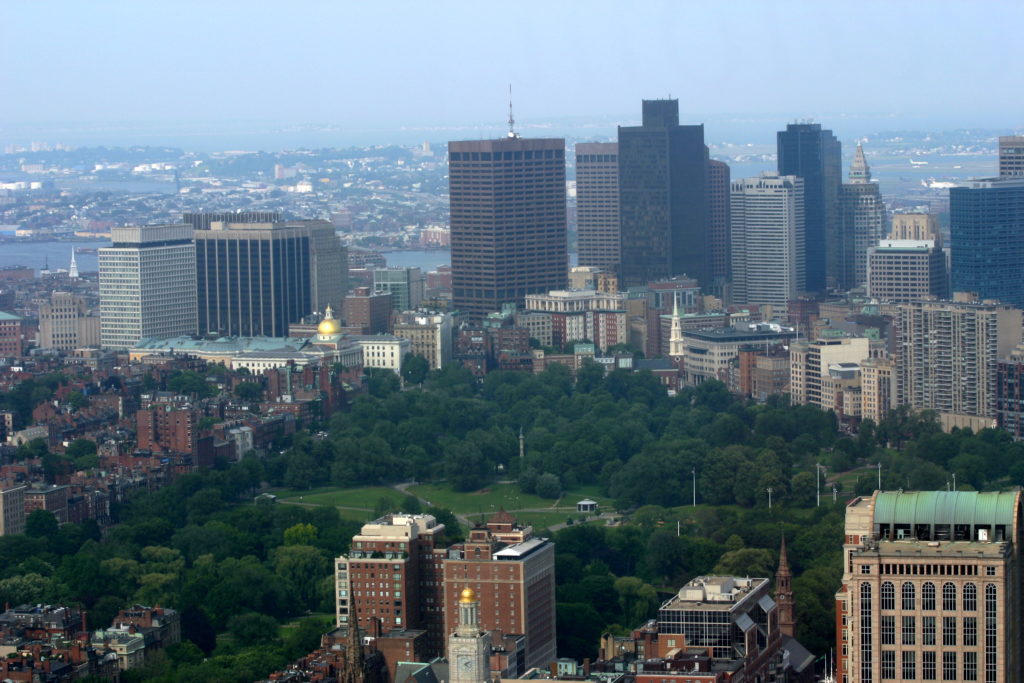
511	119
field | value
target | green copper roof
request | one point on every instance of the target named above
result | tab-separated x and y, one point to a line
946	507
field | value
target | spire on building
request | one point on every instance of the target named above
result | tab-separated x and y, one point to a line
675	340
859	170
353	671
784	593
73	268
511	119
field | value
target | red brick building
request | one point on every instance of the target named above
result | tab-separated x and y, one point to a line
10	335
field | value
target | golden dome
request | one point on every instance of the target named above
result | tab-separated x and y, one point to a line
467	595
328	326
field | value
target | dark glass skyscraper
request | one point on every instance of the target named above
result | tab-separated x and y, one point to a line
987	239
807	151
663	203
256	278
508	221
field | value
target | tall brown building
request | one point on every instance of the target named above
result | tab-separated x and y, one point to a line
369	311
508	221
513	574
597	204
398	572
931	588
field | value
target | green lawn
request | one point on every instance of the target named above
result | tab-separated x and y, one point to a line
365	497
486	500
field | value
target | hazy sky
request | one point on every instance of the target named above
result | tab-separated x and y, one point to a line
430	63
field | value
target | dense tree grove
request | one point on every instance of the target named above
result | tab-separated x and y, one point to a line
238	568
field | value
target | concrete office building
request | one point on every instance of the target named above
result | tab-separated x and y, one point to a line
807	151
663	198
1011	156
147	284
508	221
65	323
947	353
768	240
12	509
861	223
931	588
810	362
987	239
900	271
256	278
597	204
429	334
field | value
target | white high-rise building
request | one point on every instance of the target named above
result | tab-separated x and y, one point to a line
768	240
147	284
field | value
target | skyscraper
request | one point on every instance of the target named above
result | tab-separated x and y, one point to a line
508	221
597	204
768	248
147	284
948	354
987	238
404	284
719	233
256	278
931	588
862	223
1011	156
663	202
807	151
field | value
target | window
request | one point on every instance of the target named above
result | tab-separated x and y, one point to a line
909	630
970	598
888	625
888	595
970	631
865	633
909	665
888	664
990	633
948	597
909	596
949	630
927	630
928	665
928	596
865	569
970	666
990	571
949	666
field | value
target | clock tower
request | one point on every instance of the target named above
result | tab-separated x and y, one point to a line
469	647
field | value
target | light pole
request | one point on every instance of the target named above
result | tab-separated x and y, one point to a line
834	492
817	472
770	489
879	476
954	481
693	471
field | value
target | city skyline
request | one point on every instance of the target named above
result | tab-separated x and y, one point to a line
143	65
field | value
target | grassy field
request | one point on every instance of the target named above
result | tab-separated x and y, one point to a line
365	497
497	496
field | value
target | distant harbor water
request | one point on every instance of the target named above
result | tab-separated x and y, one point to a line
425	260
38	255
56	255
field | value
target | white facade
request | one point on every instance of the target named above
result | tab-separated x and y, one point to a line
383	351
147	285
768	247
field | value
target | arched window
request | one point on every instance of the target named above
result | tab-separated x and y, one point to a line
991	630
970	598
909	596
888	595
948	597
928	596
865	632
